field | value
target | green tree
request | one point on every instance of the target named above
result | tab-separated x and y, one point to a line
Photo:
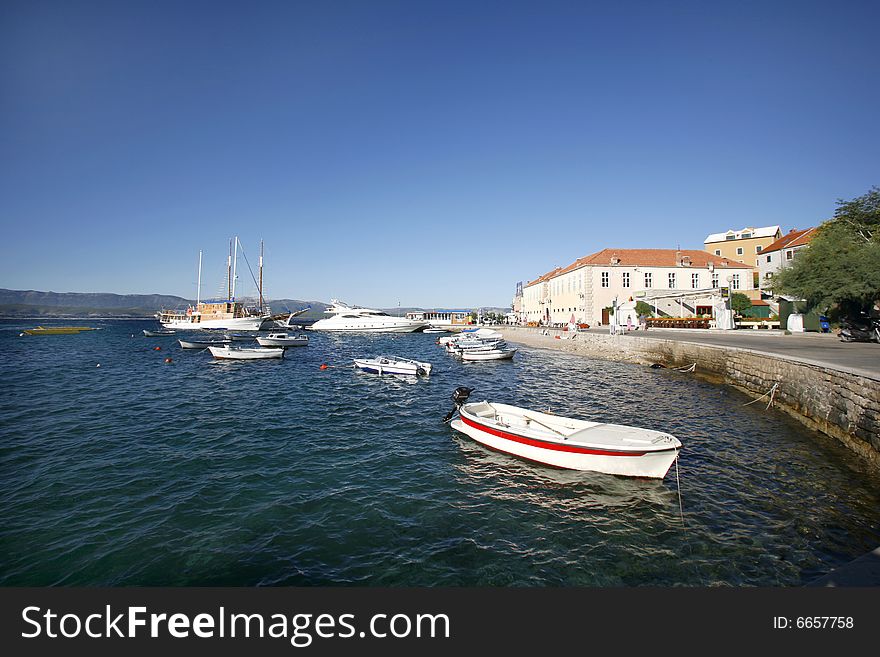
841	266
645	309
740	302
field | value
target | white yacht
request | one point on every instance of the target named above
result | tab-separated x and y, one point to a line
354	318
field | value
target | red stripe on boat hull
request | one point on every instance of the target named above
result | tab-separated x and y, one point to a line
553	446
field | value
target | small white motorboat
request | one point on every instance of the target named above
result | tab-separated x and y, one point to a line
202	344
392	365
475	345
246	353
158	334
435	329
487	354
283	340
565	442
469	335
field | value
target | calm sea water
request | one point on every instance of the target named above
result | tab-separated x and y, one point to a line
198	472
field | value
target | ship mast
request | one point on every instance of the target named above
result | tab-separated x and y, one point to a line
261	277
229	272
199	284
234	267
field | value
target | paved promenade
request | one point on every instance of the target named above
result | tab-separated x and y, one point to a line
825	349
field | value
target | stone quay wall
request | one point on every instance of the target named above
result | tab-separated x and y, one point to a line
841	404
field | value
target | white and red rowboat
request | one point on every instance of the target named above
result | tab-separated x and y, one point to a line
569	443
246	353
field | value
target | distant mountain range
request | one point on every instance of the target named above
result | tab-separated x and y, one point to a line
32	303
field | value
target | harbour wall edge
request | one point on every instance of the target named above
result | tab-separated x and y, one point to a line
843	405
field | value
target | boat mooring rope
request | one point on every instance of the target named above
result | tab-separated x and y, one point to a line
678	485
771	392
687	368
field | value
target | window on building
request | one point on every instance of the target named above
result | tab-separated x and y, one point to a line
758	248
746	236
648	279
626	279
695	281
604	279
672	280
739	250
718	252
734	282
769	258
730	237
714	280
789	255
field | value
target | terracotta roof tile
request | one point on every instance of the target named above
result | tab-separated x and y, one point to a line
658	258
642	258
791	239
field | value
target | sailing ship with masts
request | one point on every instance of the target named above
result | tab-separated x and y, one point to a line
228	314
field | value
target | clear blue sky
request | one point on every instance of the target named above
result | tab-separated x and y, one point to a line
431	153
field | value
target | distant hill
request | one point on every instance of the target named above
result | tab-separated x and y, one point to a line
32	303
18	303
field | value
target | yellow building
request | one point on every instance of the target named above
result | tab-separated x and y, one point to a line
744	245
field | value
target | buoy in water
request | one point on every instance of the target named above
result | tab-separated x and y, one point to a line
157	348
168	360
98	365
324	366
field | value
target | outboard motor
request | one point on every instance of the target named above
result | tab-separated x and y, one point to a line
459	396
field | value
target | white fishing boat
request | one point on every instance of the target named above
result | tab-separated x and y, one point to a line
435	329
475	345
471	334
246	353
354	318
202	344
488	354
227	314
565	442
158	334
392	365
283	340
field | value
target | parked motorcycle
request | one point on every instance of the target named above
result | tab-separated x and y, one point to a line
861	329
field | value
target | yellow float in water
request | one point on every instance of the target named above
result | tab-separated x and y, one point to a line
58	330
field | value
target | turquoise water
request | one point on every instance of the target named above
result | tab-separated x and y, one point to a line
198	472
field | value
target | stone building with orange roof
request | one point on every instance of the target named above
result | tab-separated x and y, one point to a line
675	282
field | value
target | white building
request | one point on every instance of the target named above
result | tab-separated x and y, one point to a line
744	245
441	317
782	253
677	283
